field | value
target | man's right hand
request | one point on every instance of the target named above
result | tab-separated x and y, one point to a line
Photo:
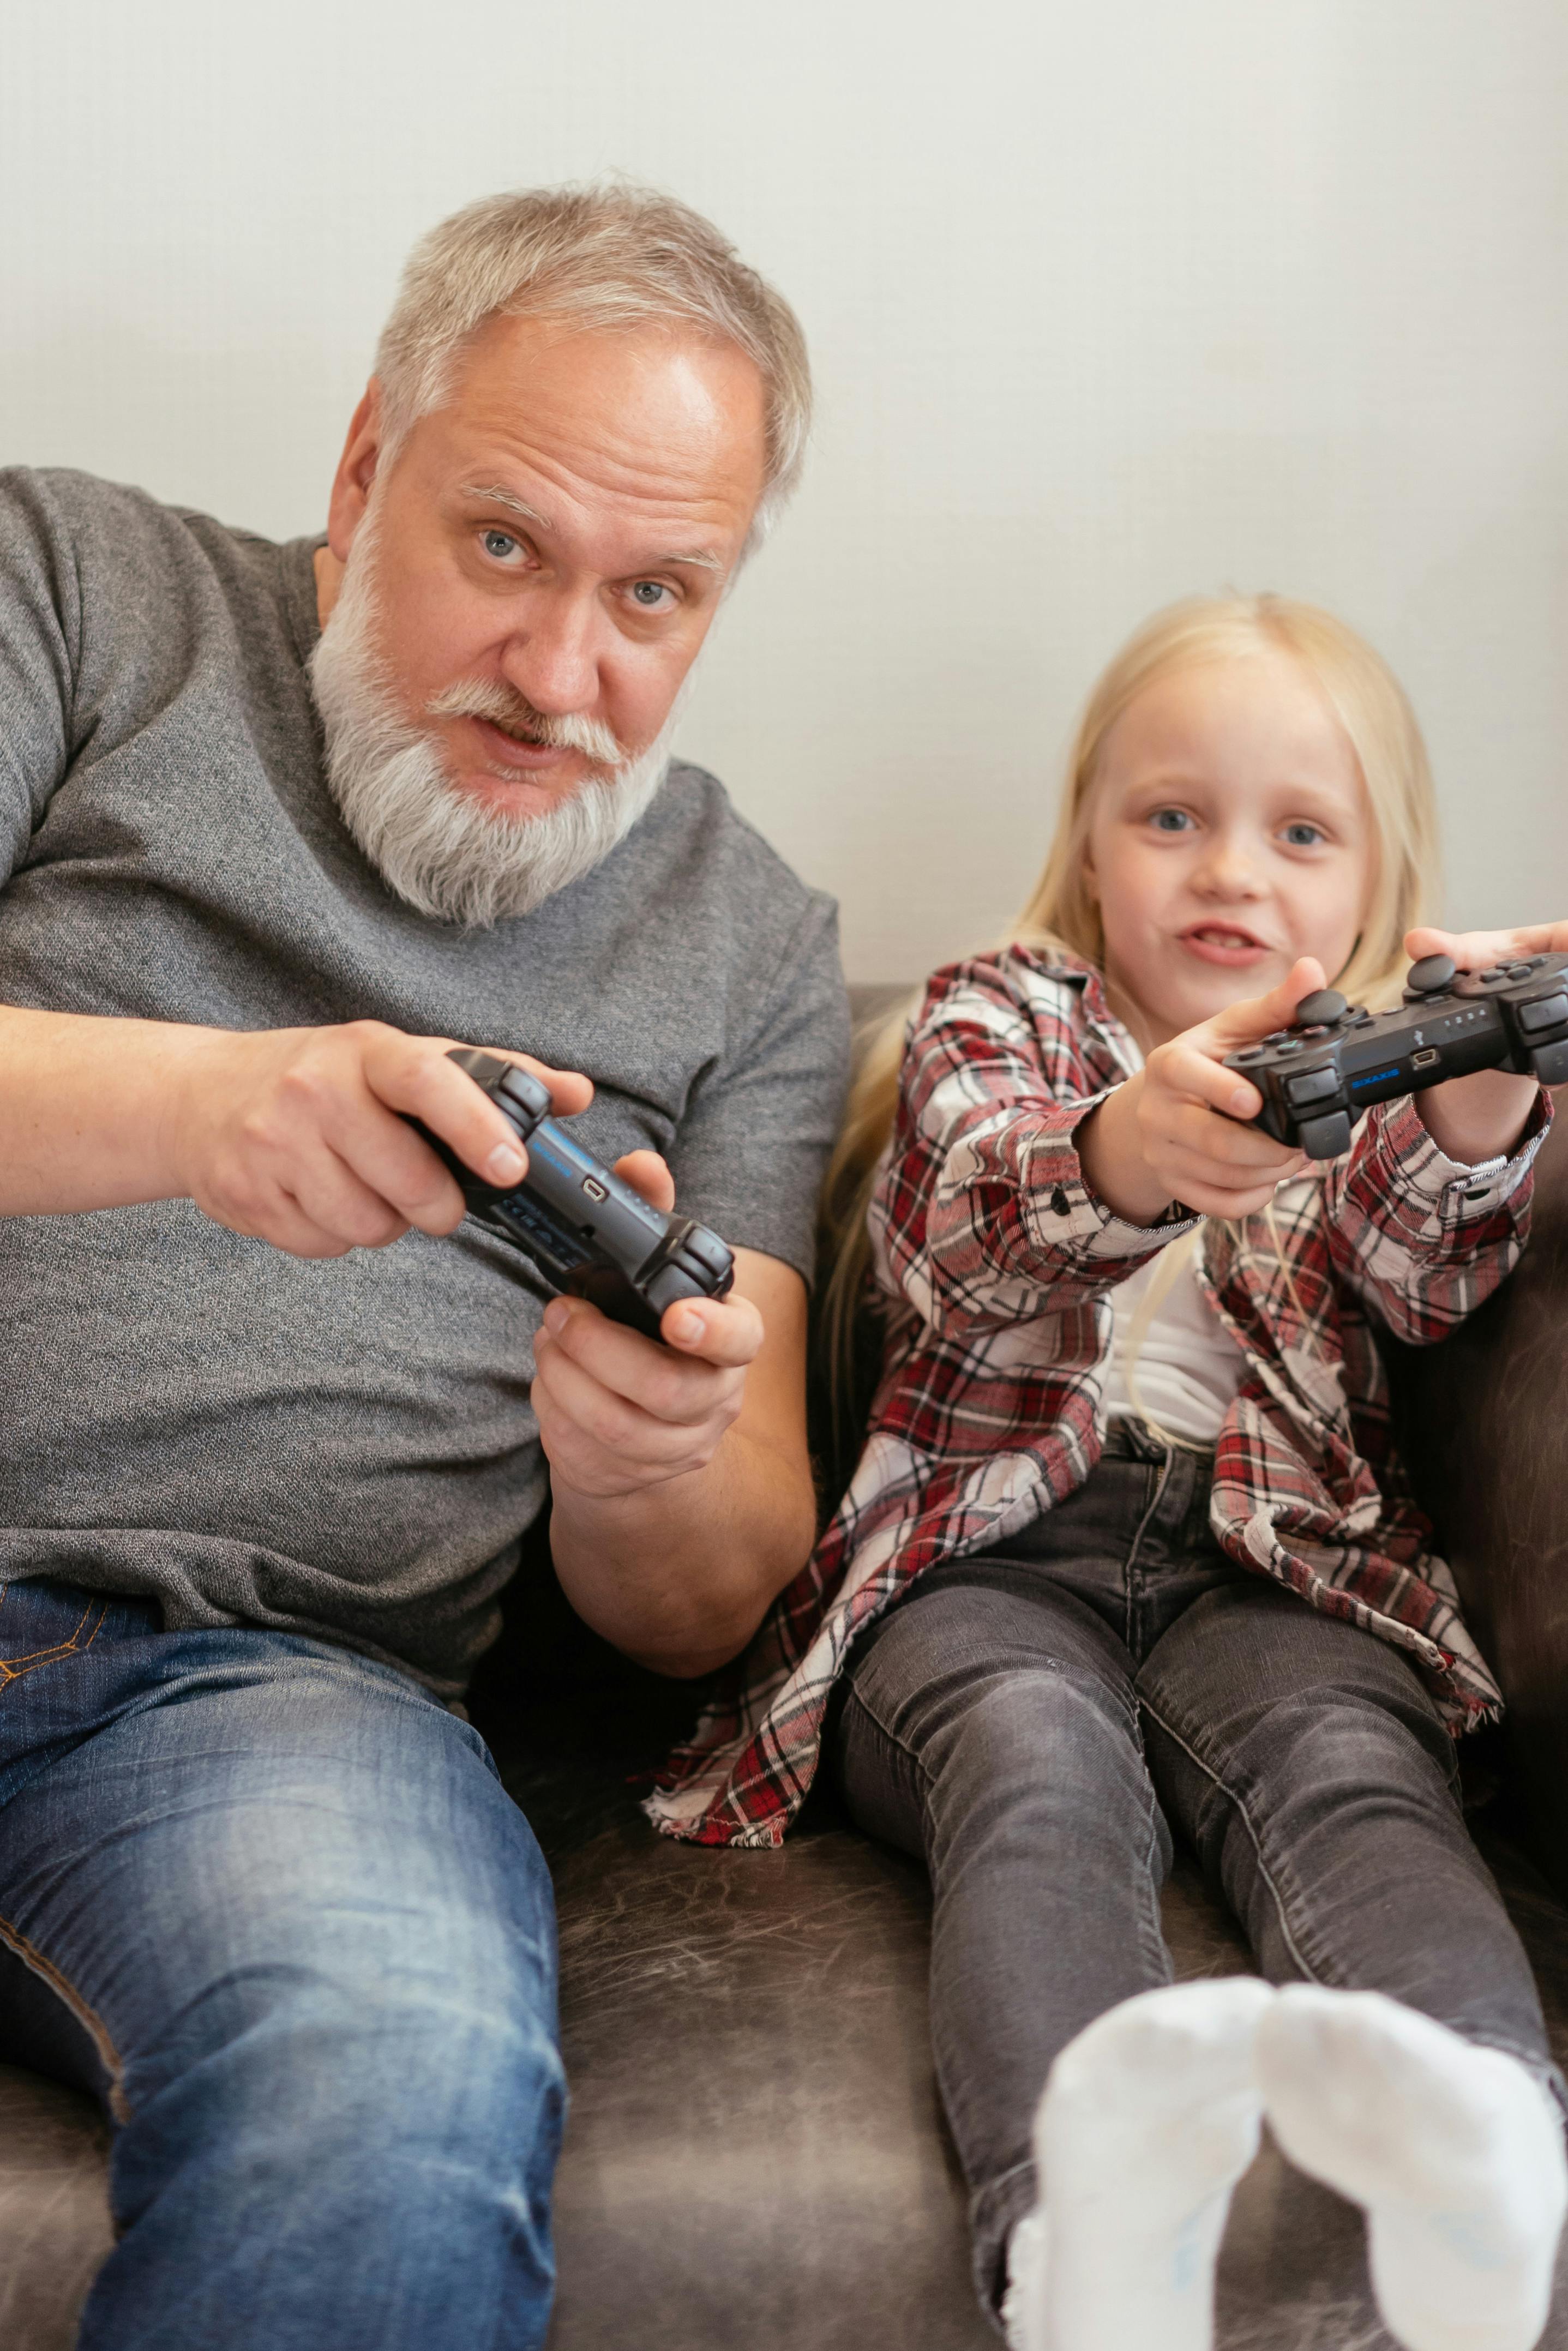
294	1134
1176	1133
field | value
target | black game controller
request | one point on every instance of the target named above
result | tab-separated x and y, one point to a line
584	1230
1335	1060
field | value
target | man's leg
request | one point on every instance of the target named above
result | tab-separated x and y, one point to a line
310	1941
1309	1764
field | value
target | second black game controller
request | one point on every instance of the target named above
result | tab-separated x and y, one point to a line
584	1231
1336	1060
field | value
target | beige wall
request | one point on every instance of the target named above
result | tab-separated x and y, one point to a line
1107	304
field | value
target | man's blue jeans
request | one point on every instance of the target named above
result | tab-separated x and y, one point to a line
271	1901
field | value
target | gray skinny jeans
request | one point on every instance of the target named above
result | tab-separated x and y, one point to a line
989	1723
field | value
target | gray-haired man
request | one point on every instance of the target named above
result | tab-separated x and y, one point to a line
281	823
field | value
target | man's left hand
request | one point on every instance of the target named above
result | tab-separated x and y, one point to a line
619	1413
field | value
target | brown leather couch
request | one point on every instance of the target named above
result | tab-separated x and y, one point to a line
756	2155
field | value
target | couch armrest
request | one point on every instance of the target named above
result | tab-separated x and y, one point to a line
1483	1423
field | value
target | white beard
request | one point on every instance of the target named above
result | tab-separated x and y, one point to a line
442	852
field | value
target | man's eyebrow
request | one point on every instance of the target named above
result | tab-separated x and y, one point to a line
492	494
694	554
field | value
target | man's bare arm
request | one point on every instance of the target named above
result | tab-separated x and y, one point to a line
289	1134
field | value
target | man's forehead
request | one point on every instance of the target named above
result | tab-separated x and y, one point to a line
668	430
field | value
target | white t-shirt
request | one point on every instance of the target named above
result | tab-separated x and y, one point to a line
1188	1367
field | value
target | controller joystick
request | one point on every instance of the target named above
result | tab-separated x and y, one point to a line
581	1227
1322	1009
1430	977
1336	1060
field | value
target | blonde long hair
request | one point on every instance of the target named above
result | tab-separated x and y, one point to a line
1060	913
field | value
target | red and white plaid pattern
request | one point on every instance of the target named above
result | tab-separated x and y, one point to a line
996	1261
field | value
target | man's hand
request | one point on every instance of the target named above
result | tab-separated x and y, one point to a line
1174	1131
294	1135
1480	1117
618	1413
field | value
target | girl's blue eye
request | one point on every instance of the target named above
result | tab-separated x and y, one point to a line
647	593
499	543
1303	836
1170	819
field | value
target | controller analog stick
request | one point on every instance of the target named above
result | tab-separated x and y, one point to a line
1321	1010
1430	977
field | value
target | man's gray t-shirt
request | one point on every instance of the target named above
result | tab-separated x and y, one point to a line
341	1447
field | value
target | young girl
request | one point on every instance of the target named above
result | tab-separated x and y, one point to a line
1127	1549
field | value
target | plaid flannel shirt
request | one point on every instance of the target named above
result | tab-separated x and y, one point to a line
995	1260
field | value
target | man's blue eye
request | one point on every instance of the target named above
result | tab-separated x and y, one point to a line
498	543
648	593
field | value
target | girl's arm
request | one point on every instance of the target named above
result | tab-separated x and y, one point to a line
1174	1130
984	1216
1484	1116
1423	1238
1429	1213
1019	1184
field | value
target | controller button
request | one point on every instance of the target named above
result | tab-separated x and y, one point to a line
1546	1012
1291	1045
1244	1060
1430	975
1276	1037
1325	1136
1311	1086
526	1093
707	1249
1494	971
1322	1006
1520	970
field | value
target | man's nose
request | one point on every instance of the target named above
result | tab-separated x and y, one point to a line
552	660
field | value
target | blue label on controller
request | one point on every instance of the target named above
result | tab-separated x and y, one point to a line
1374	1078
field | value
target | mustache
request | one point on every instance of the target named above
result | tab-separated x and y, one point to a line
480	697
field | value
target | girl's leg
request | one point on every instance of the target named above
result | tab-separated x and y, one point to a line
1311	1769
988	1726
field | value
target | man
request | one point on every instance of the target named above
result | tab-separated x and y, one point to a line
281	825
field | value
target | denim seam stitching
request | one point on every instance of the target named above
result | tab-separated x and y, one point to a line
1130	1564
13	1668
1311	1974
85	2016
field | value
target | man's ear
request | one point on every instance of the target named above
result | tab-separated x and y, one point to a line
356	472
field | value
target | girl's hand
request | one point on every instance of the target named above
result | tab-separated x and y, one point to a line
1176	1133
1480	1117
1478	950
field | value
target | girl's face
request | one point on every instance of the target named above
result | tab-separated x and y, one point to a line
1230	835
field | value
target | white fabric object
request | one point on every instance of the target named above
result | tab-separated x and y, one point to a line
1454	2152
1148	2120
1173	1362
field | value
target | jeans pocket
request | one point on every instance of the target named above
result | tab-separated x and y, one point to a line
43	1624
